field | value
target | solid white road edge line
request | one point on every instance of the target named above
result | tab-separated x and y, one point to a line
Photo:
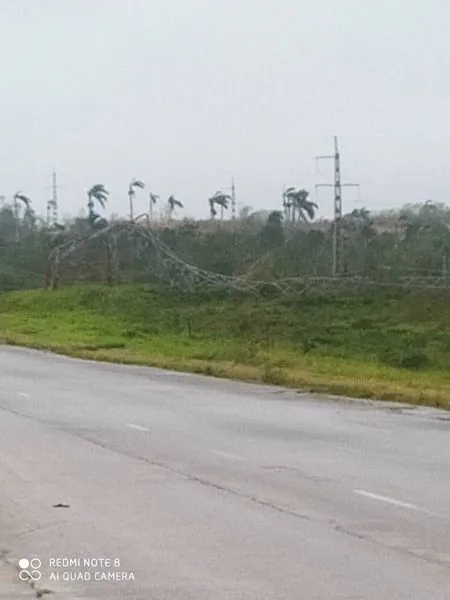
387	500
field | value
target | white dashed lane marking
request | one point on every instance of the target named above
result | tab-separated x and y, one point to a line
137	427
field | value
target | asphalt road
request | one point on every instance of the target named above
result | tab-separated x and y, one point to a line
208	489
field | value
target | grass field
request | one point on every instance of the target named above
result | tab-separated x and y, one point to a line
388	346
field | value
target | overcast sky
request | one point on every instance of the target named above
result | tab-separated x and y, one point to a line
185	94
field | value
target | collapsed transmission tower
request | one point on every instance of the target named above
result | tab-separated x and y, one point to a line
338	245
161	263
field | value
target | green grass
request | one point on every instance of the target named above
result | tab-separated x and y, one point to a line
388	346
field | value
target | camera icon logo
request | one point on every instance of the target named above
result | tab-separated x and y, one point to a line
29	569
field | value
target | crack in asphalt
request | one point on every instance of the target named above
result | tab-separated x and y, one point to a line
40	528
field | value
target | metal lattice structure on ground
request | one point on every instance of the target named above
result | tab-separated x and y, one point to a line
163	263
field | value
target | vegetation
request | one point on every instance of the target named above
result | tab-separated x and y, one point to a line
389	344
393	347
172	205
135	183
219	199
385	247
297	204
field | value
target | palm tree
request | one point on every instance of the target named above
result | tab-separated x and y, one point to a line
135	183
172	203
220	199
300	204
18	196
153	198
287	204
212	208
97	193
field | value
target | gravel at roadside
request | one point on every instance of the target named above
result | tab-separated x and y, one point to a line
10	585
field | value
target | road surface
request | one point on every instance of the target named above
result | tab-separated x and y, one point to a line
205	489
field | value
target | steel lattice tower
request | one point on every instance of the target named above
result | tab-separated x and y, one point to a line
338	245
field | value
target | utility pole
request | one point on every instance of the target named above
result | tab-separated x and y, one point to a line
54	197
338	241
52	204
233	200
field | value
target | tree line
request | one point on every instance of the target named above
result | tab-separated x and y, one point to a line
290	242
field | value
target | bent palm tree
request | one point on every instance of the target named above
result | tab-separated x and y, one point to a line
212	209
220	199
97	193
19	197
153	199
172	204
135	183
298	201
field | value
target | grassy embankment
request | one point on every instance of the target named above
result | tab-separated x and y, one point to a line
393	347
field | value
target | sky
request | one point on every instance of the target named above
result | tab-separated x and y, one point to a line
186	94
